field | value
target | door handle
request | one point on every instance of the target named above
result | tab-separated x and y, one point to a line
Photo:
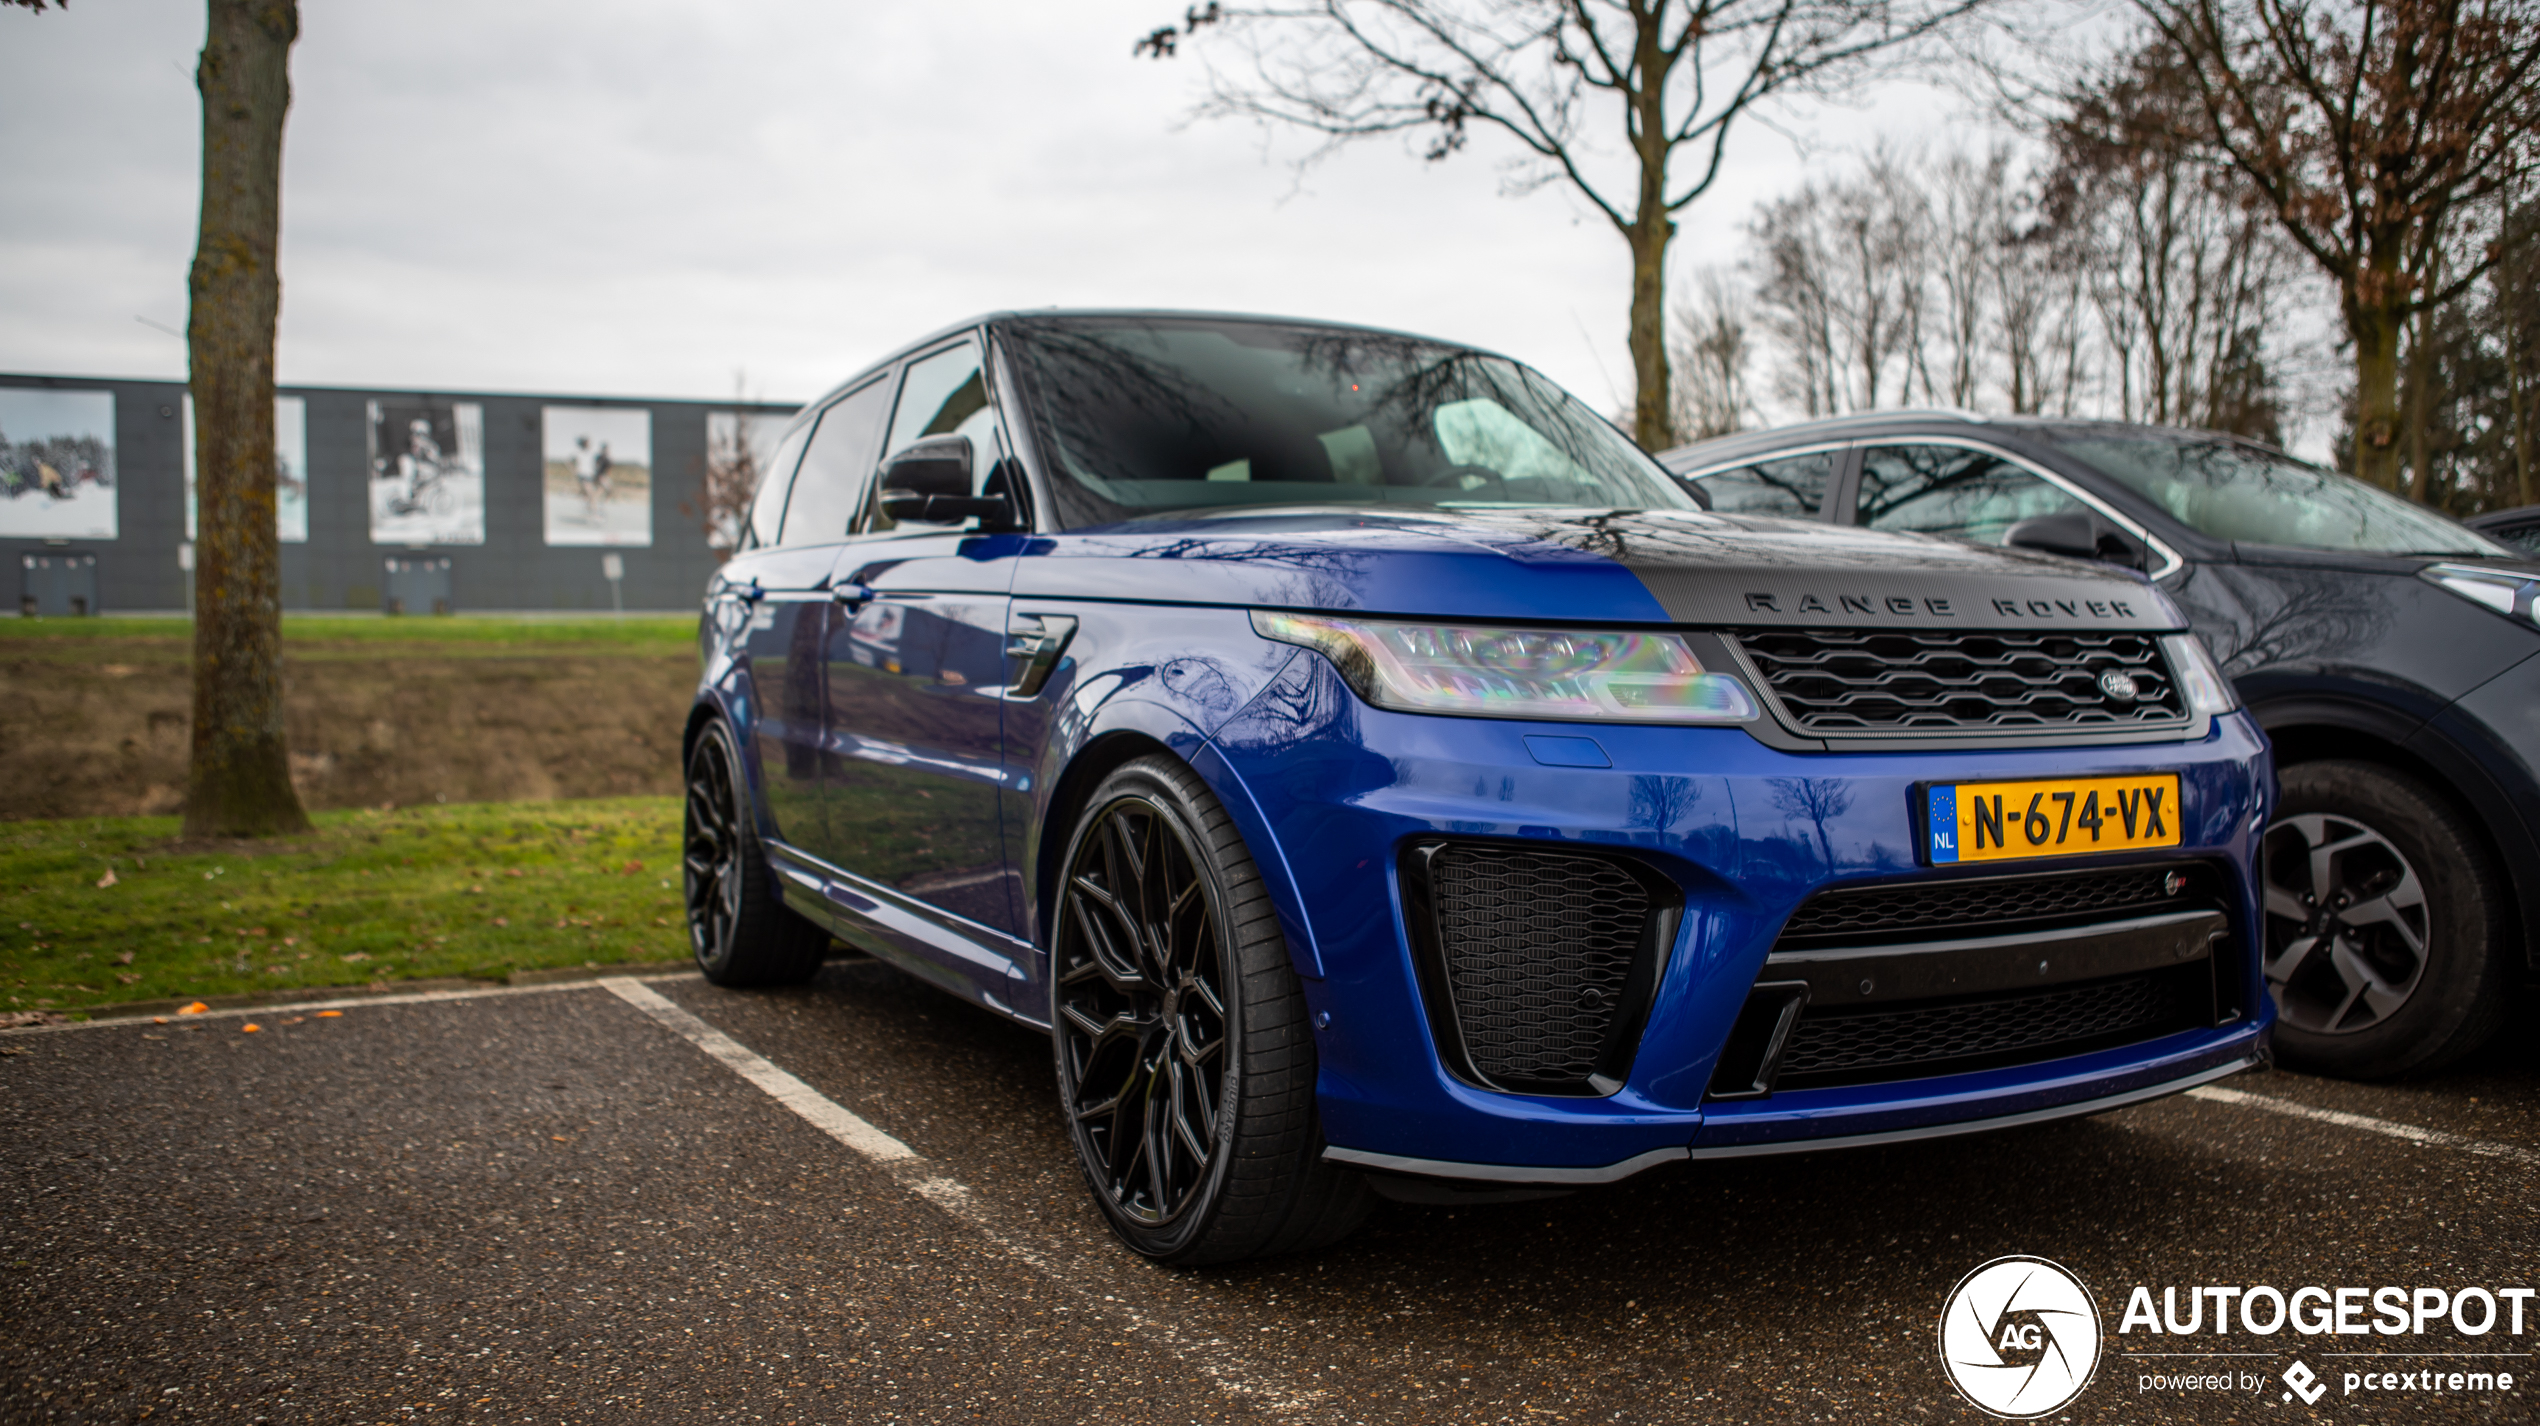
851	595
1038	640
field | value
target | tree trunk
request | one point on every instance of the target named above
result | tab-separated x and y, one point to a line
1651	422
2377	451
240	780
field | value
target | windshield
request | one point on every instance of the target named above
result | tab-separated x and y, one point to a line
2245	493
1146	414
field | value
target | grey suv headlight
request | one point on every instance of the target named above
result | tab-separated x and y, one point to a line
1487	671
2504	591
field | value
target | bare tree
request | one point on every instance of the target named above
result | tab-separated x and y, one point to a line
2368	128
1840	282
1546	75
728	477
2186	269
1708	363
240	781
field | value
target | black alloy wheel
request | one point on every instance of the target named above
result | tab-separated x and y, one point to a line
738	926
1185	1066
2384	924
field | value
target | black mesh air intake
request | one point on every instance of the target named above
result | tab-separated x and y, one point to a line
1993	904
1856	1047
1537	964
1784	1043
1851	683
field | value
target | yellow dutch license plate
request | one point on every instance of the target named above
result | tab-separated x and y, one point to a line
2055	817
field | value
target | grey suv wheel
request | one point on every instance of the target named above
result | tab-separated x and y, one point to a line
2385	932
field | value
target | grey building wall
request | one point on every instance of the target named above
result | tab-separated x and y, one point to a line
339	568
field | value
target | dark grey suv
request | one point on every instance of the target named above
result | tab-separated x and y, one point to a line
2389	653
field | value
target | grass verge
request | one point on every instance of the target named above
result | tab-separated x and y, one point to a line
320	636
369	896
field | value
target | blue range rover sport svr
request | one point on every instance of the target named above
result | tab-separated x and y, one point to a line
1378	777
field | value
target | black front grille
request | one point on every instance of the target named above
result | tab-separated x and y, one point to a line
1838	684
1916	909
1855	1047
1544	959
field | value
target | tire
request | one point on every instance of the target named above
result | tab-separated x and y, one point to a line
2386	929
1185	1063
738	926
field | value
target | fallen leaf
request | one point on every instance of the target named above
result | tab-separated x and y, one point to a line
197	1008
330	1014
502	920
158	1019
355	956
514	871
125	959
629	869
294	1020
249	1029
559	1138
127	977
107	880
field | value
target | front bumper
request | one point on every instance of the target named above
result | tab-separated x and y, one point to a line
1714	811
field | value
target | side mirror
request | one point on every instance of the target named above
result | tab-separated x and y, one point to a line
928	483
2079	534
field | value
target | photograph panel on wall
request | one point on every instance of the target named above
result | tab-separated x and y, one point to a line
427	473
290	468
57	464
740	445
598	475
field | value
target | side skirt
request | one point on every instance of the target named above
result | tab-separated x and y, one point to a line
961	957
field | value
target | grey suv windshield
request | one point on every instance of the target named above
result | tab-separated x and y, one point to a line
1142	415
2247	494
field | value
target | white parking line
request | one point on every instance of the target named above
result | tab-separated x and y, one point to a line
350	1002
1228	1370
2431	1138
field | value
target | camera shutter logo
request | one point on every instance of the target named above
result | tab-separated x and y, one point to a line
2019	1337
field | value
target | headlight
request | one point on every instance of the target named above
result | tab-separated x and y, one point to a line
1570	674
2208	692
2504	591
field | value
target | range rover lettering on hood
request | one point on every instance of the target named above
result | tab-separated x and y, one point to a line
1728	571
1907	606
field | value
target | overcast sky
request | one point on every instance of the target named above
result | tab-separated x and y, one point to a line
638	197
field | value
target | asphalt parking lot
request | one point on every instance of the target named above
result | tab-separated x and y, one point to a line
561	1205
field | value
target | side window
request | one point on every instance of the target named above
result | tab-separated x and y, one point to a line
1952	491
1794	486
835	470
944	395
767	507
